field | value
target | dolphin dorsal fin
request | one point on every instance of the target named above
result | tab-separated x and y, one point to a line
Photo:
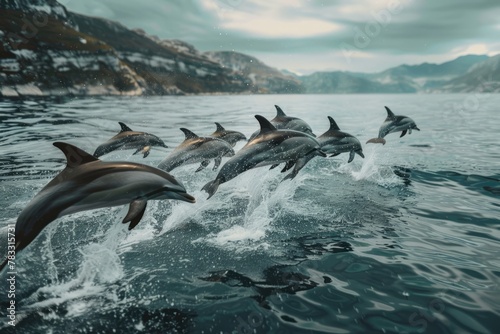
74	155
333	124
220	128
124	127
265	125
390	114
189	134
279	111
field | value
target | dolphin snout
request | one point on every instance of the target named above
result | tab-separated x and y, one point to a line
183	197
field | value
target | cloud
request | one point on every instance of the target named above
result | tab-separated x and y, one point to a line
310	33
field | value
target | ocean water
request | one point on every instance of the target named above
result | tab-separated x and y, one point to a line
406	240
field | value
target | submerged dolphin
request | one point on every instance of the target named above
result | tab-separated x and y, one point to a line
88	183
196	149
232	137
394	123
128	139
335	142
282	121
270	146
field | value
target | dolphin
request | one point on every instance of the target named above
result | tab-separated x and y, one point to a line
282	121
394	123
335	142
195	149
232	137
128	139
270	146
331	142
88	183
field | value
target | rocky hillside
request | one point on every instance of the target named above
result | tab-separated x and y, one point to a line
264	79
483	77
46	50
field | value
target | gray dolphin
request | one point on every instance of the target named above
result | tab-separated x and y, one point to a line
270	146
282	121
195	149
394	123
128	139
331	142
88	183
232	137
335	142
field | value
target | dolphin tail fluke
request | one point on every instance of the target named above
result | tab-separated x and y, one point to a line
360	153
376	141
135	213
211	187
274	166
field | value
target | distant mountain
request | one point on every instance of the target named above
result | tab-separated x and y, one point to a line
264	79
345	82
400	79
483	77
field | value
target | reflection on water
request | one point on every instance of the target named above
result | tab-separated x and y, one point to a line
405	240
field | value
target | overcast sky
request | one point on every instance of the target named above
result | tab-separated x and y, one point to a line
317	35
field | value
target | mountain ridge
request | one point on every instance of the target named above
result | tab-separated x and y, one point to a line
47	50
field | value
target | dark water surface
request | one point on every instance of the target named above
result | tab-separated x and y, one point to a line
406	240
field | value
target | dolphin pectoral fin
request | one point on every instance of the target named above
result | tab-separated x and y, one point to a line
334	155
274	166
211	187
351	157
146	151
203	164
135	213
376	141
409	131
217	161
403	133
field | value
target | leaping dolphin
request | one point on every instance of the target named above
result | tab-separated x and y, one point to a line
282	121
128	139
271	146
195	149
331	142
335	142
232	137
394	123
88	183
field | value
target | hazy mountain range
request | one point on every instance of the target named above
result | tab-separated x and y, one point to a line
46	50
